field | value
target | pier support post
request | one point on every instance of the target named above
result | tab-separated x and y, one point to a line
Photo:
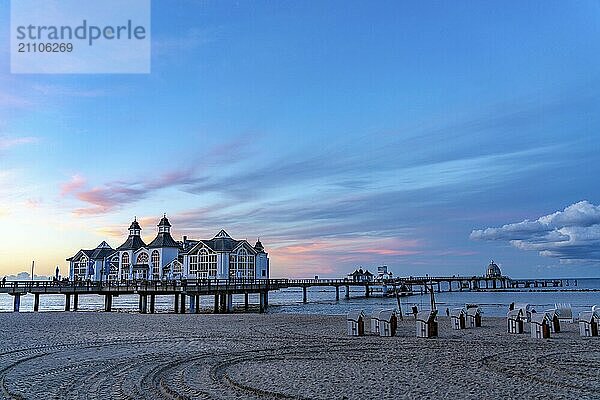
223	303
230	303
75	302
17	302
36	302
183	296
347	291
266	299
197	310
246	302
439	288
176	305
216	310
337	293
67	302
108	302
261	302
193	304
143	303
152	300
367	291
304	295
449	286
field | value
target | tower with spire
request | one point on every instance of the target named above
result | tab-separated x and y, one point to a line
164	249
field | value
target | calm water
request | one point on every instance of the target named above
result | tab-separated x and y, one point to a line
322	301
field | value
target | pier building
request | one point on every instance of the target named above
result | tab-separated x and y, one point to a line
164	258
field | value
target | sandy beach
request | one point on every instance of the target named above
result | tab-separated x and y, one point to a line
169	356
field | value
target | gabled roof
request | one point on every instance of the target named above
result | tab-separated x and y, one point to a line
81	252
133	242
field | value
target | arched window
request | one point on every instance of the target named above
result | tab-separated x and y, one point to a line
125	266
80	267
142	258
177	269
155	264
241	264
113	268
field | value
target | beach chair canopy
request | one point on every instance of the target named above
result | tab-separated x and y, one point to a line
426	316
473	311
356	315
587	317
457	312
386	315
515	314
540	318
375	314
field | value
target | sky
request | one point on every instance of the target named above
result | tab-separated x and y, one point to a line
428	136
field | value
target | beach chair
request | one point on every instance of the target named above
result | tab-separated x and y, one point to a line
474	317
565	312
540	326
375	321
515	321
588	323
356	323
388	323
458	318
427	325
555	320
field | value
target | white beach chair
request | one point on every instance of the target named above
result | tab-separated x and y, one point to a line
564	311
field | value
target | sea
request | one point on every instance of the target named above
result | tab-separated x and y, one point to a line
321	300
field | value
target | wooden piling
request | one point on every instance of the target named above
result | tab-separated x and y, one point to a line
17	302
36	302
108	302
67	302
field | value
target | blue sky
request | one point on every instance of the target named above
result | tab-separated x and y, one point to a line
344	134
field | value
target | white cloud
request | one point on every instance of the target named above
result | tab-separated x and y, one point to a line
571	235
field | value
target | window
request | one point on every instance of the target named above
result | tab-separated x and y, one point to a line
79	268
125	266
113	268
241	265
203	265
177	269
142	258
155	264
193	265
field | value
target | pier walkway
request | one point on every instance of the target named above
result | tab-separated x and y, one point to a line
223	289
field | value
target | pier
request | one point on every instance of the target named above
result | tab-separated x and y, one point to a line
187	293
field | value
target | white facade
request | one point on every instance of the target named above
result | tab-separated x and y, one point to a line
165	259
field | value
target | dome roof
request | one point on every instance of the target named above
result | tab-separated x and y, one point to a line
493	270
135	225
259	246
164	221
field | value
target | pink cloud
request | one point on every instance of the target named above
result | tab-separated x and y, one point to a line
76	183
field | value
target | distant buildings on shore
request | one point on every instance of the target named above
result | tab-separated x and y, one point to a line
360	275
221	257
